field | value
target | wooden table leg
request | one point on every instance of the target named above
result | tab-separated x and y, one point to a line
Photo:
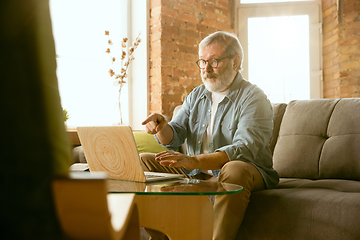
179	217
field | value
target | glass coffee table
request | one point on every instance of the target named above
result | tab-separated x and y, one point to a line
179	208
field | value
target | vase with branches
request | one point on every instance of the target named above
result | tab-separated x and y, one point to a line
119	71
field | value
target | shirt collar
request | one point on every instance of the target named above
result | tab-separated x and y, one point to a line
235	86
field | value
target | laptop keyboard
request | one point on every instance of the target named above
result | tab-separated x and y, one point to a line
153	176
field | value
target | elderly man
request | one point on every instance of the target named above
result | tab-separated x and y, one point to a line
227	122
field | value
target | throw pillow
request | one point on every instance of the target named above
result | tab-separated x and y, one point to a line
147	143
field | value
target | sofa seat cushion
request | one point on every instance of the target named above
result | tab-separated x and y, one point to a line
297	210
331	184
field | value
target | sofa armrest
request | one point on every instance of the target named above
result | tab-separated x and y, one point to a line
279	110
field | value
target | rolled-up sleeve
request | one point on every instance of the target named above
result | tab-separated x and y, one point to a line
179	125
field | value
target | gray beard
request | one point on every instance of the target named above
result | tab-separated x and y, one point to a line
223	81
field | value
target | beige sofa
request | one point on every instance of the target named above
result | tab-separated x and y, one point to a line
316	146
316	152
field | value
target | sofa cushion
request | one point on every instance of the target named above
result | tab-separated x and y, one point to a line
330	184
78	155
340	157
301	138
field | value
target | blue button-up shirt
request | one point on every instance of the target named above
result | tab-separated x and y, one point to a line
242	127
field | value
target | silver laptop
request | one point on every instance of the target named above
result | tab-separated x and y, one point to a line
112	149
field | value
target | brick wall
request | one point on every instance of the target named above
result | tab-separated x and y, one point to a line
176	28
341	48
330	49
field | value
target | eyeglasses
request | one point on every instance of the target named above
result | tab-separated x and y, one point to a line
213	62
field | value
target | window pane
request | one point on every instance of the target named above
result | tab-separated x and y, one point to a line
86	89
279	56
90	96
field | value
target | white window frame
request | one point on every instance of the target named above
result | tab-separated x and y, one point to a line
139	69
310	8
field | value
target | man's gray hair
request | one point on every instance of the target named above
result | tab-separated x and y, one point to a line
230	42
